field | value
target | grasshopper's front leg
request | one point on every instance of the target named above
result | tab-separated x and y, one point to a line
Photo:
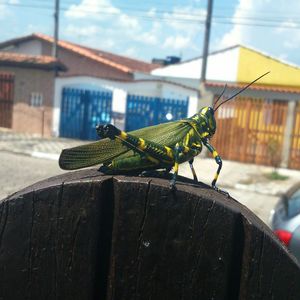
218	160
177	150
193	170
186	149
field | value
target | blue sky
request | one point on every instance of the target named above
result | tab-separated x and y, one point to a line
155	28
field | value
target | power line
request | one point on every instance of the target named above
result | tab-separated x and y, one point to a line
159	4
190	18
177	13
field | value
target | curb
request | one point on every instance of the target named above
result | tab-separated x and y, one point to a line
51	156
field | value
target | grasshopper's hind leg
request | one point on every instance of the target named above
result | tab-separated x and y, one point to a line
131	164
160	173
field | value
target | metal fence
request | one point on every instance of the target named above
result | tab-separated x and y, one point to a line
294	162
6	99
251	130
82	110
142	111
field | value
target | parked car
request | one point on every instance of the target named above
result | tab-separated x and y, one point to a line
285	220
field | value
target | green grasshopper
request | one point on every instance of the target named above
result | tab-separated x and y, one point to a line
162	146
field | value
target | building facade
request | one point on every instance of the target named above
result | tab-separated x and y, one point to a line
32	81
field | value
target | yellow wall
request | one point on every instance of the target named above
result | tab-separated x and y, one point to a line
252	64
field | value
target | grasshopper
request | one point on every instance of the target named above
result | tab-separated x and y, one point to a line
162	146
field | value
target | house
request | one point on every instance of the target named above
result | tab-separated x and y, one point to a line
26	91
263	124
92	76
79	60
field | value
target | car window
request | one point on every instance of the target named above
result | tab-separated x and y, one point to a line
294	204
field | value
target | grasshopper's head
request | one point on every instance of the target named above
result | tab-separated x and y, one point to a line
207	121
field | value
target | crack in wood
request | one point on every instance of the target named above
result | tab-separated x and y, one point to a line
30	250
140	243
5	212
200	250
73	243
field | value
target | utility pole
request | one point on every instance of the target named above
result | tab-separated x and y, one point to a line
205	97
206	39
56	28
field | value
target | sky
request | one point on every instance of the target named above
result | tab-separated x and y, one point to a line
156	28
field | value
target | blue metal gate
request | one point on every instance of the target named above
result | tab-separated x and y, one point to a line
147	111
82	110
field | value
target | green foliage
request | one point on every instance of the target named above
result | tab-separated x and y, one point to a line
274	152
274	175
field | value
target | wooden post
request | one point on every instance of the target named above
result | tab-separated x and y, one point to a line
83	235
286	148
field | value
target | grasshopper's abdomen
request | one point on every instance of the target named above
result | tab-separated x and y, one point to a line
135	162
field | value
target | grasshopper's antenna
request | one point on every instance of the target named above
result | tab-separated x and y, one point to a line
240	91
224	89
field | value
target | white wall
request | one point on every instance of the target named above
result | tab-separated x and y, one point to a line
151	88
31	48
221	66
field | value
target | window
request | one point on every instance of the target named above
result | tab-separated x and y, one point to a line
36	99
294	204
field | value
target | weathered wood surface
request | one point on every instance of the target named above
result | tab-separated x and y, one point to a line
88	236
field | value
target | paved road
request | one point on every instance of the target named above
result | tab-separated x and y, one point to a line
18	171
260	204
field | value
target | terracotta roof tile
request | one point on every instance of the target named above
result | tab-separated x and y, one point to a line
257	87
122	63
44	62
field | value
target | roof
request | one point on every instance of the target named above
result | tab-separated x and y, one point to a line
221	65
31	61
236	64
119	62
255	87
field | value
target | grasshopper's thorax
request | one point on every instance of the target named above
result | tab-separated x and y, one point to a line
205	122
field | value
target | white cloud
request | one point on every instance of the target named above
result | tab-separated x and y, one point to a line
177	29
148	38
128	22
151	36
96	9
5	10
90	35
237	34
177	42
152	12
84	31
290	33
105	12
278	39
185	18
102	20
285	25
131	52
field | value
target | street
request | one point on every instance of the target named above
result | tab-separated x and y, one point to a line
18	171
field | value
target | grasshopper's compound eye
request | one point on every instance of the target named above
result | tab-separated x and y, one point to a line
211	110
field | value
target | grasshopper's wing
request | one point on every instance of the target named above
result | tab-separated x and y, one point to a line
106	150
167	134
91	154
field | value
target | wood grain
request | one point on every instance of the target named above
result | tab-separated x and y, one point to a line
84	235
